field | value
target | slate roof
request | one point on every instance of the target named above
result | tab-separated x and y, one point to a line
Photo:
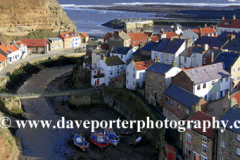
54	39
206	73
207	54
137	52
35	42
120	50
185	53
225	35
142	65
233	45
148	46
231	116
227	58
159	68
112	61
174	45
201	116
182	96
211	41
161	45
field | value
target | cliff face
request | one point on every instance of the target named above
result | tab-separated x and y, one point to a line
19	17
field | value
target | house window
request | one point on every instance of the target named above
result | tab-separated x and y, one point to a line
150	81
178	106
198	87
222	130
127	73
238	69
226	79
133	69
188	138
238	78
98	64
233	70
204	60
204	148
133	83
122	56
204	139
133	75
143	75
167	57
221	158
159	95
204	85
171	102
166	99
160	84
222	143
213	82
185	59
203	157
118	71
238	137
186	111
188	151
117	66
238	151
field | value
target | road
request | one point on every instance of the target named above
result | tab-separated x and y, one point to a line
35	56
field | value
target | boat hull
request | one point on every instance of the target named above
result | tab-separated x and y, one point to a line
98	144
83	145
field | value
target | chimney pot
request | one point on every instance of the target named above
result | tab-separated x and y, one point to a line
174	63
223	17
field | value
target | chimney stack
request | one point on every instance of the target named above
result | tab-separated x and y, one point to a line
205	25
205	46
223	18
116	33
190	51
171	38
234	17
126	31
189	42
174	63
232	36
156	59
212	57
162	31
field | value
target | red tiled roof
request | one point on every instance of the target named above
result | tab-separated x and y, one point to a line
236	95
137	38
169	34
35	42
12	48
169	148
201	116
84	34
2	58
4	49
154	39
223	23
205	31
149	34
235	24
18	43
142	65
70	35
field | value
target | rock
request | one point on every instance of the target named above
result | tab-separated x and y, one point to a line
26	16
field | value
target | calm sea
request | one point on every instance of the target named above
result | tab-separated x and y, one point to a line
90	20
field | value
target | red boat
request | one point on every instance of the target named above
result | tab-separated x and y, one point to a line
99	139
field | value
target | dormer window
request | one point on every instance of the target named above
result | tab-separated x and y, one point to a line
226	23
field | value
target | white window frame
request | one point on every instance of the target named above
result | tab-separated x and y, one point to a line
222	143
188	138
204	157
238	151
204	139
187	151
221	158
238	137
233	70
204	146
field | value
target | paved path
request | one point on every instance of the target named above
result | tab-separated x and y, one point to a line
35	56
43	143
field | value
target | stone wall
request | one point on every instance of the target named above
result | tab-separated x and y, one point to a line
80	99
133	108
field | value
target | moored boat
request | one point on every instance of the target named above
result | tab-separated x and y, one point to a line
80	142
111	136
99	139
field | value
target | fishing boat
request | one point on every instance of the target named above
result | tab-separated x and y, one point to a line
99	139
111	136
126	132
80	142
